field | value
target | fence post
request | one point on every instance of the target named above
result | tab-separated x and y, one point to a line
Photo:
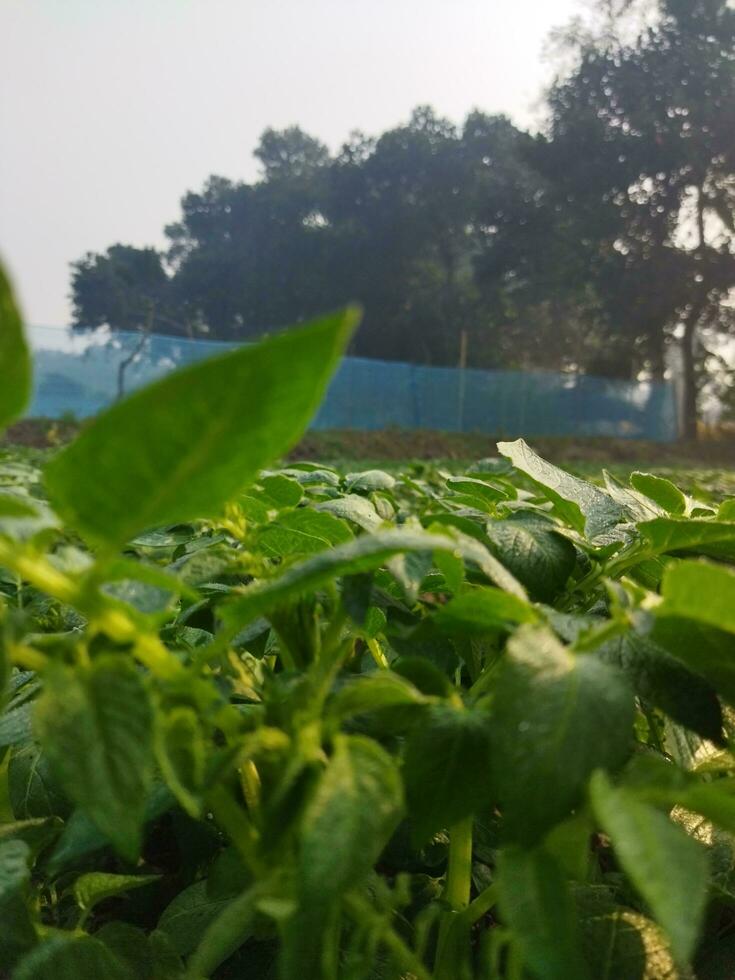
462	368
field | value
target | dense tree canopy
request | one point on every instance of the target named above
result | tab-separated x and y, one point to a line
592	246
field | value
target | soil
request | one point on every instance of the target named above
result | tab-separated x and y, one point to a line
398	444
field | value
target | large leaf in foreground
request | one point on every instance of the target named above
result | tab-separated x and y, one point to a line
555	718
180	448
15	362
588	509
96	729
667	867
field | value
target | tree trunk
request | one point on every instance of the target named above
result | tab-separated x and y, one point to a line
657	353
689	381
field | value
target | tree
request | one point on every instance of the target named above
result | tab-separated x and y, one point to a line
125	288
250	257
641	153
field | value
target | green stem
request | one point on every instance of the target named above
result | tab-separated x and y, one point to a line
363	914
481	905
459	872
233	820
377	654
456	895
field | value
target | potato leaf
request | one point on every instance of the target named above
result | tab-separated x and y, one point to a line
96	728
536	903
185	445
667	867
555	718
446	769
588	509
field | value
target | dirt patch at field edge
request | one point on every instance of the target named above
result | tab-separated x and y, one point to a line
401	444
394	444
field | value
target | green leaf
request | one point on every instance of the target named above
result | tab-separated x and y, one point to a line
624	945
473	487
637	505
538	557
659	678
130	946
667	867
96	886
483	610
96	728
446	769
208	429
666	535
186	919
81	838
356	807
586	508
18	934
125	569
353	507
181	756
347	823
36	833
15	360
73	958
280	490
370	480
535	902
661	491
302	532
452	568
14	505
364	554
15	725
372	692
555	718
225	934
699	591
705	650
726	510
32	787
144	957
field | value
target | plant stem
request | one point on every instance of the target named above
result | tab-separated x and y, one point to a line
481	905
365	915
456	895
459	872
377	654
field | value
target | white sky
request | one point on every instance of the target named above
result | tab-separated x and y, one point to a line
111	109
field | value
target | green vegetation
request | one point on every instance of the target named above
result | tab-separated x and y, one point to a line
324	725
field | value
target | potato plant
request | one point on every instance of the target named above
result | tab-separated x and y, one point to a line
295	723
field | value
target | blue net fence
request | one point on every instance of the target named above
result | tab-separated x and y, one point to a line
79	373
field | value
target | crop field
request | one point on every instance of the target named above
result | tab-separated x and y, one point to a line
431	721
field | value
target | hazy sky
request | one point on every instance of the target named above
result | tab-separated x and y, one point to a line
111	109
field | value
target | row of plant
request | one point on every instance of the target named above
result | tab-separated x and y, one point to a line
315	725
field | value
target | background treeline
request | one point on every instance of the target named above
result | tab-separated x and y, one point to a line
592	246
